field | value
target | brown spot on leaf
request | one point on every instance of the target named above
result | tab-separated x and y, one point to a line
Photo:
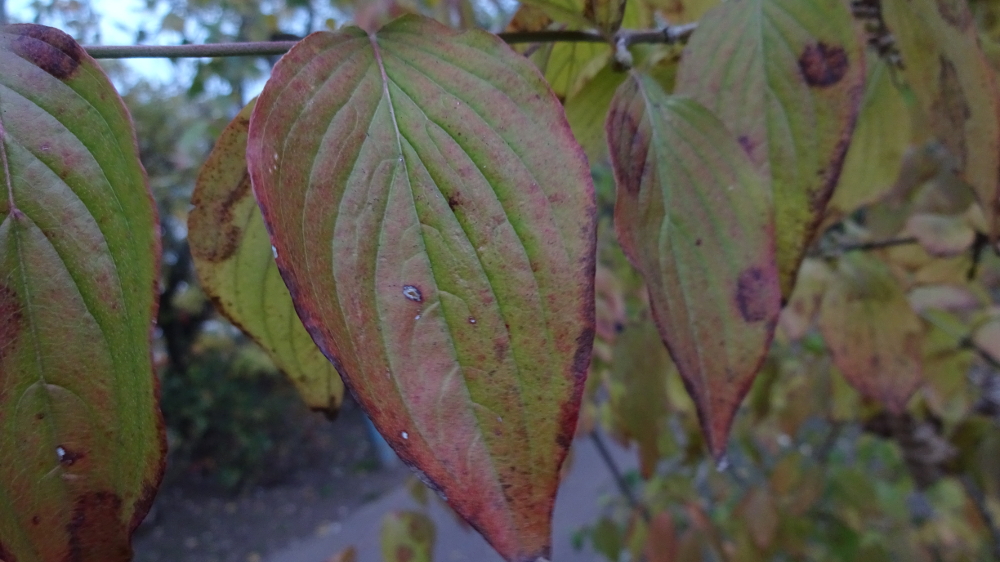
500	349
226	229
823	65
47	48
11	320
754	292
454	200
96	532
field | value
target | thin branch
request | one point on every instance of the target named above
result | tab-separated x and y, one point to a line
667	35
863	247
979	499
623	486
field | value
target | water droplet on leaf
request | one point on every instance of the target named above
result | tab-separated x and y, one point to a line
412	293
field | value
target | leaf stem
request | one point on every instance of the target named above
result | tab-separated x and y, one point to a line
667	35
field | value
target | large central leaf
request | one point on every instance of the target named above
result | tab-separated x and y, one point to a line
434	221
81	438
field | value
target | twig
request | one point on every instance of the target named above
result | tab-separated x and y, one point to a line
864	247
616	473
979	499
667	35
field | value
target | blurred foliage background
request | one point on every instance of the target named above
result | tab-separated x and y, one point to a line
814	471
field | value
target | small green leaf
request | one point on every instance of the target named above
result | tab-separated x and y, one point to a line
435	222
694	217
587	110
570	12
232	254
881	139
407	536
873	334
787	78
81	437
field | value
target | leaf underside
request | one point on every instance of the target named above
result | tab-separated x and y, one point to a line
232	254
434	221
694	217
787	78
81	437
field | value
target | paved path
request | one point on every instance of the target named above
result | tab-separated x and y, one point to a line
577	505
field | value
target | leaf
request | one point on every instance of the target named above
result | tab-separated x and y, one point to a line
987	338
683	11
587	110
435	223
349	554
873	334
81	437
570	12
567	65
760	512
607	14
955	85
232	254
693	217
407	536
941	235
787	78
638	393
881	138
661	540
797	316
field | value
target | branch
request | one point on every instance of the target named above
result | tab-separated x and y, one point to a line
863	247
623	486
668	35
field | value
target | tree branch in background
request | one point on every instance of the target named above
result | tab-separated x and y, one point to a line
616	473
668	35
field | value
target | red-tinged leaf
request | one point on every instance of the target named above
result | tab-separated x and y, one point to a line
694	217
407	536
787	78
232	254
955	84
434	221
349	554
661	540
873	334
81	437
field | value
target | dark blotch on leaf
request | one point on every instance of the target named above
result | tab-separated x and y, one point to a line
404	554
823	65
96	532
47	48
228	229
753	294
634	146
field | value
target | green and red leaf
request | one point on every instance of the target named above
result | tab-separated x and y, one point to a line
872	332
434	220
694	217
81	438
232	254
787	78
407	536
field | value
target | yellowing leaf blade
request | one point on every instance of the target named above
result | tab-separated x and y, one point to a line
232	254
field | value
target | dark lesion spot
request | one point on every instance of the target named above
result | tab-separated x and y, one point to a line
96	531
823	65
950	111
956	13
755	291
47	48
11	320
224	235
404	554
630	145
454	200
